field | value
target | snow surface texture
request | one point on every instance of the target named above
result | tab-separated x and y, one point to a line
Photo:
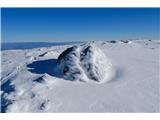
85	63
31	81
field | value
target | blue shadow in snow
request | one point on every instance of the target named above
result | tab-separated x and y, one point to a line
44	66
7	88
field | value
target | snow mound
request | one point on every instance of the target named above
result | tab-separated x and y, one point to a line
85	63
46	79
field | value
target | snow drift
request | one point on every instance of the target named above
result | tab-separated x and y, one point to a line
29	83
84	63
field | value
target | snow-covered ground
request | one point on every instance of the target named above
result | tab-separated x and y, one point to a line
30	80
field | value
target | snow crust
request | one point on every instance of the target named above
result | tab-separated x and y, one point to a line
129	71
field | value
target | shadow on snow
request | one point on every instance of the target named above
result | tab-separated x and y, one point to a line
44	66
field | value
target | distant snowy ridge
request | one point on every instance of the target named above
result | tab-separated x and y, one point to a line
84	63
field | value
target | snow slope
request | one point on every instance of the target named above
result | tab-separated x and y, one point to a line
30	80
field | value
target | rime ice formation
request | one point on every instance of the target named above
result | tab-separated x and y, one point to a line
84	63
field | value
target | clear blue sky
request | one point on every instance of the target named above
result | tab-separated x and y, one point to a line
78	24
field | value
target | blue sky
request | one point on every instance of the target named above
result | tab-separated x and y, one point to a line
78	24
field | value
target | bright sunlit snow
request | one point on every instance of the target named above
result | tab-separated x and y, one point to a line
102	76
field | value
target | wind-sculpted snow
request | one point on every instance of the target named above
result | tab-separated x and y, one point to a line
44	79
84	63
